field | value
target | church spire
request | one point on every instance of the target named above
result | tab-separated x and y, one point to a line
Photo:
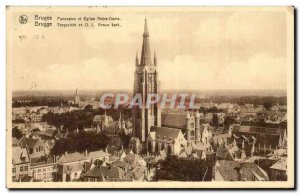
137	59
146	54
155	59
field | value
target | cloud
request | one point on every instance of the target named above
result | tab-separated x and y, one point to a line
262	71
93	73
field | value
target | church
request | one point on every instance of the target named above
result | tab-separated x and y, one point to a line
148	134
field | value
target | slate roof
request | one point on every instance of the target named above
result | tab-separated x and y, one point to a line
29	142
120	164
95	172
138	172
48	133
220	136
262	138
167	132
98	154
132	158
42	161
280	164
222	152
19	155
282	125
109	172
15	141
173	120
70	168
229	170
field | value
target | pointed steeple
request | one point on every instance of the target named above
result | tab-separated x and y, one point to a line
155	59
146	54
76	93
137	59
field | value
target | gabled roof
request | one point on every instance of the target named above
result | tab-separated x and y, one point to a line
19	155
138	172
239	171
120	164
95	173
98	154
132	158
15	141
48	133
114	172
280	164
72	157
71	168
29	142
182	154
221	152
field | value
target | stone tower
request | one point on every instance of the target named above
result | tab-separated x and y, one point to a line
145	82
190	129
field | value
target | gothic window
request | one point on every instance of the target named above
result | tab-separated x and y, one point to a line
192	133
192	125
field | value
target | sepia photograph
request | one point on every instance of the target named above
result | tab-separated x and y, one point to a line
150	97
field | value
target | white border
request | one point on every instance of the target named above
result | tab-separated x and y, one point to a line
105	2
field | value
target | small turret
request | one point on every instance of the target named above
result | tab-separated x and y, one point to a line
197	126
188	128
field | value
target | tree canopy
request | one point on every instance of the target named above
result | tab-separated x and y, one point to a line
176	169
80	142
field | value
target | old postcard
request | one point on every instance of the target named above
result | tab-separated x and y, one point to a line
150	97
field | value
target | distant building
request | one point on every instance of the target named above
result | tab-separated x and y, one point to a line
163	138
266	137
238	171
278	170
35	117
70	167
42	169
103	173
98	155
20	163
76	98
36	147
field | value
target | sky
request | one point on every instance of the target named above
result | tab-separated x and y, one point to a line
200	49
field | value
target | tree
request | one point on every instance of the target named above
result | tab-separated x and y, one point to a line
267	105
80	142
125	139
175	169
215	120
16	133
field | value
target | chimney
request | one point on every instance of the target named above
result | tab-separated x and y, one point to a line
86	153
66	153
